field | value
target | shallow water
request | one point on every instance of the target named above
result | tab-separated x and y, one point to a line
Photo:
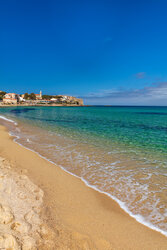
118	150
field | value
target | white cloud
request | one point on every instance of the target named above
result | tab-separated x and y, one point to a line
156	94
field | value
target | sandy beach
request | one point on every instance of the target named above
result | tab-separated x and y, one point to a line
60	211
21	225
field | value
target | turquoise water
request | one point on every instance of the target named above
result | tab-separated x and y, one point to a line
121	151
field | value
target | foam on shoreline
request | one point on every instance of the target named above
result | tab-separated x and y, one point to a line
80	217
137	217
8	120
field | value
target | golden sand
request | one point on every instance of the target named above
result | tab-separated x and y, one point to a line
21	225
80	217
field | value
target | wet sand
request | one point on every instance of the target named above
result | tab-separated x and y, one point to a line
80	217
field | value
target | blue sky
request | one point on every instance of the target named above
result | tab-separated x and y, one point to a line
108	52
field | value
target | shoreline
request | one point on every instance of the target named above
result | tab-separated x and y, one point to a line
42	105
121	204
75	207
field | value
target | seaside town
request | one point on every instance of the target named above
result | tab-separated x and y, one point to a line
38	99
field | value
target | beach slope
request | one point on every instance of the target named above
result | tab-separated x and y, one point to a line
80	217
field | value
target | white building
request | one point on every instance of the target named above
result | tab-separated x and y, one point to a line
11	98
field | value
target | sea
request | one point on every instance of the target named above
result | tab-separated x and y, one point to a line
119	151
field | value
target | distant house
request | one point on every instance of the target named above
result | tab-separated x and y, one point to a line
21	99
72	100
53	99
63	98
11	98
39	96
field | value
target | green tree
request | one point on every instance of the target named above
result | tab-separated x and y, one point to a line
2	93
26	96
32	96
47	97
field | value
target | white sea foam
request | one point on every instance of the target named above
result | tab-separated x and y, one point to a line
8	120
122	204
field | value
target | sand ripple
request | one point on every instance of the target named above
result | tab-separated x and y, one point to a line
20	204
